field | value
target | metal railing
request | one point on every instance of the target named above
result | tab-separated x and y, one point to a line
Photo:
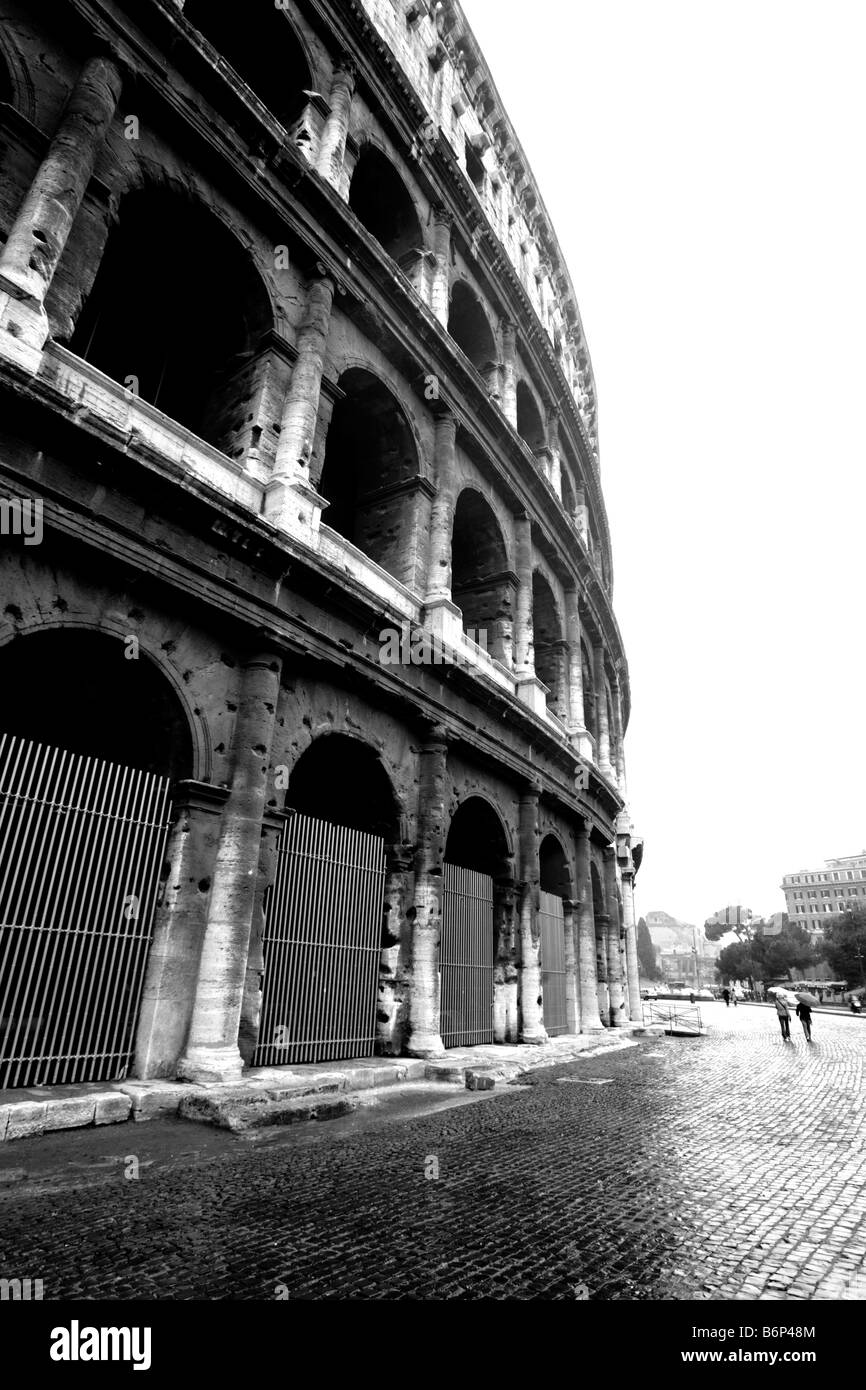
466	958
551	920
684	1019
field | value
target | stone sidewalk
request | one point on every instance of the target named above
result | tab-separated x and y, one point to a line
282	1095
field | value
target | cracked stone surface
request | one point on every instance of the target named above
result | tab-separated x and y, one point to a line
730	1166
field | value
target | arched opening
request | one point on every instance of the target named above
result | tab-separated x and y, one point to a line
263	50
555	887
476	907
475	170
179	330
477	840
470	329
599	908
319	953
481	584
588	684
551	654
370	450
530	425
380	200
124	711
366	798
87	739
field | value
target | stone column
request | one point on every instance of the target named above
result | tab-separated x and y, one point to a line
571	909
553	450
290	483
40	231
424	1038
576	721
442	514
618	740
628	916
602	931
509	372
441	614
212	1053
332	147
581	516
587	979
602	722
532	1028
524	653
169	990
614	959
440	288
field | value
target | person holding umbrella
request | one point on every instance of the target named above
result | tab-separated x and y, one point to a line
805	1004
780	999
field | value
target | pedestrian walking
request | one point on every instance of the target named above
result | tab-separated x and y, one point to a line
804	1013
726	995
784	1016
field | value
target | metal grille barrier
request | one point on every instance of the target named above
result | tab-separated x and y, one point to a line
466	958
551	919
81	844
684	1020
322	943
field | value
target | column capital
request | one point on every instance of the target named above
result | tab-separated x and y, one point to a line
442	215
530	790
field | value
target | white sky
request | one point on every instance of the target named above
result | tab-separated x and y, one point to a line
703	165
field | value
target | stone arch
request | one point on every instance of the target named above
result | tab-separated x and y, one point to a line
366	801
181	331
470	328
371	463
16	84
381	201
530	424
125	711
482	586
265	50
555	868
478	838
551	653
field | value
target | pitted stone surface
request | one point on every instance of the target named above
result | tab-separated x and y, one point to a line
730	1166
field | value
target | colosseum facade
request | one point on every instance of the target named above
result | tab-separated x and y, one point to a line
313	694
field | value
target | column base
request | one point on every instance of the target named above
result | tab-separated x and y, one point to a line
444	619
211	1066
425	1045
532	692
24	330
592	1027
295	507
534	1037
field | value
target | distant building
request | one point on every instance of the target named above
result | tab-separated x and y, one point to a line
813	896
682	951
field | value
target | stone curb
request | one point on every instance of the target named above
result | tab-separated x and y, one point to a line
273	1096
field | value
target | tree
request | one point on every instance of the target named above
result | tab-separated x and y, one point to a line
735	962
774	957
646	952
844	946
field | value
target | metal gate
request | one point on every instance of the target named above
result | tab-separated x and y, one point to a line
552	921
322	943
81	844
466	958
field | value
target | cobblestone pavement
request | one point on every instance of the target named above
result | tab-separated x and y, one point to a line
727	1166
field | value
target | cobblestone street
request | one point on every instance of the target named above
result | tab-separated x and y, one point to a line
728	1166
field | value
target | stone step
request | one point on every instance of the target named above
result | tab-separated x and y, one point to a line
241	1113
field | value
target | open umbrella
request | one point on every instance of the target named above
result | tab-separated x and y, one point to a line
806	998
